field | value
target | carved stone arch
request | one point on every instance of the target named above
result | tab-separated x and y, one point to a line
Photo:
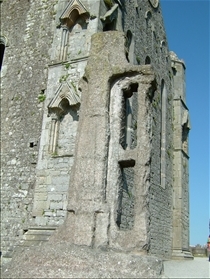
66	102
73	11
74	15
65	91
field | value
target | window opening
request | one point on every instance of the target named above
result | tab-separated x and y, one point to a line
147	60
110	26
128	138
185	132
63	126
128	43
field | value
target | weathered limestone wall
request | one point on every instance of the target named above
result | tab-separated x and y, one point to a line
61	113
119	192
28	27
150	47
56	147
95	204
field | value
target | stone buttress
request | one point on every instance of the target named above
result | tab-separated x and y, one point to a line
110	177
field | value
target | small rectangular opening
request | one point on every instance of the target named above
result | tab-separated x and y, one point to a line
128	163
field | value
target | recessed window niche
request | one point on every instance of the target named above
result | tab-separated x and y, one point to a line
63	129
64	112
128	135
147	60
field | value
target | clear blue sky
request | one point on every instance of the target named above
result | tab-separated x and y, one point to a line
187	27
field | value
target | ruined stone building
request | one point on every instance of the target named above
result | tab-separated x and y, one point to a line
94	127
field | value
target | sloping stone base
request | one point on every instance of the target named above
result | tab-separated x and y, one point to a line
63	260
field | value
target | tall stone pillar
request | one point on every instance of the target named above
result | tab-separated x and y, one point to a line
181	158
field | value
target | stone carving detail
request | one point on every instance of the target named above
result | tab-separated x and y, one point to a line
154	3
74	9
66	101
65	90
53	133
64	43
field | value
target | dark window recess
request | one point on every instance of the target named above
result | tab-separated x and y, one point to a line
147	60
128	43
32	144
110	26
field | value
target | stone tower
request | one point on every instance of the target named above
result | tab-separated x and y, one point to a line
94	126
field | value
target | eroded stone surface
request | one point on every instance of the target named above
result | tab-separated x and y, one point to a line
95	192
131	143
68	261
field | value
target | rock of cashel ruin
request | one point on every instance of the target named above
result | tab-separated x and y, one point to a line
94	137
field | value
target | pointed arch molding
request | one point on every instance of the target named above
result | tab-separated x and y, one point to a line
74	9
65	91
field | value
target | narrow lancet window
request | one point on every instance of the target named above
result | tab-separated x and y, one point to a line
163	133
147	60
128	138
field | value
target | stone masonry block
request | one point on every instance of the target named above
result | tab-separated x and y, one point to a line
83	229
60	180
40	196
55	197
41	221
38	208
101	229
56	205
